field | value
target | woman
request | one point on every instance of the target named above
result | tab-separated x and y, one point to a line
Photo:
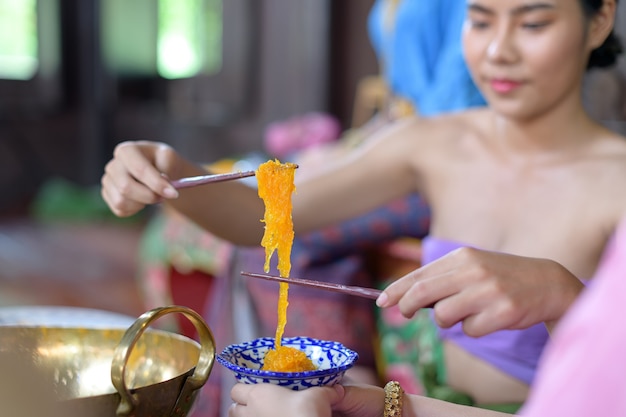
531	175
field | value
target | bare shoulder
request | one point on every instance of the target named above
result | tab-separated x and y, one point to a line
443	131
605	173
612	157
617	141
610	150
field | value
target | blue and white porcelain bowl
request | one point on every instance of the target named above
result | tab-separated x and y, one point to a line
331	358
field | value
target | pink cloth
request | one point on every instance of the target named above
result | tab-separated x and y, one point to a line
286	137
583	370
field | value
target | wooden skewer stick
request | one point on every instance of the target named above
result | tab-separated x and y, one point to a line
328	286
208	179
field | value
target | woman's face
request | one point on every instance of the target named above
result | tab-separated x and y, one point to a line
526	56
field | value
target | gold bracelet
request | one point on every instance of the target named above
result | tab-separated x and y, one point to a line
393	399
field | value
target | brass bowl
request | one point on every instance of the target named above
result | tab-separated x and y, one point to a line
113	372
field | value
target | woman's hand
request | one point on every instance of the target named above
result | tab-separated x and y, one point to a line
266	400
487	291
137	176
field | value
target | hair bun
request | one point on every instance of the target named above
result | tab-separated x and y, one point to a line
606	54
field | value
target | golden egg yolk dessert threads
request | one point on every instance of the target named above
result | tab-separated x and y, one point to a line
275	187
287	359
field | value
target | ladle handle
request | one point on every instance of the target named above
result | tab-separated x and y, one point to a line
201	373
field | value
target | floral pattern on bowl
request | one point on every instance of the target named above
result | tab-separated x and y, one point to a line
332	360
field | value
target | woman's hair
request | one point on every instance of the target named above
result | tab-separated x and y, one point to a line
606	54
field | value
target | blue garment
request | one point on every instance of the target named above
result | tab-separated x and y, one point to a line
421	54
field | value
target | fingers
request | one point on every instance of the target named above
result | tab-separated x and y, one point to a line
334	394
427	292
240	393
235	410
261	400
131	179
240	410
126	197
144	163
427	285
414	283
482	324
454	309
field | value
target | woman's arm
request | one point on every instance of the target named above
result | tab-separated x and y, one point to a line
383	168
418	406
375	173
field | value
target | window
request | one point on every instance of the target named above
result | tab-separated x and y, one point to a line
189	38
198	53
28	39
169	38
18	39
